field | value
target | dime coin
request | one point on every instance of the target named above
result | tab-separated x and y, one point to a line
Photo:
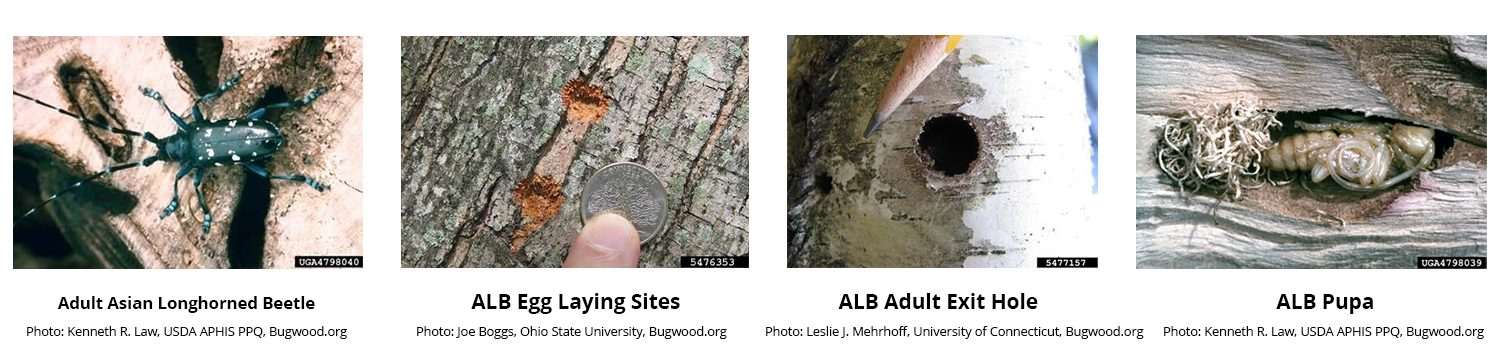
631	190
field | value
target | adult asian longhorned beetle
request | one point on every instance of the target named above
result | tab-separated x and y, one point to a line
199	145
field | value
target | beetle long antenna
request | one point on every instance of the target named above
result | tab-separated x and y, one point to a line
85	121
117	167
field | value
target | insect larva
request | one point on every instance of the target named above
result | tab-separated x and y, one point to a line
1357	155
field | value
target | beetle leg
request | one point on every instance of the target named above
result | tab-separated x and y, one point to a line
197	186
198	114
235	80
173	205
258	170
305	100
181	125
1426	158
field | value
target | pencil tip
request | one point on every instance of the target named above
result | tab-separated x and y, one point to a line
870	128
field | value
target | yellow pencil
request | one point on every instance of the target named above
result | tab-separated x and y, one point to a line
922	55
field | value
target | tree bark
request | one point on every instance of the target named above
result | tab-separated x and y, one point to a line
878	202
115	222
1422	80
483	116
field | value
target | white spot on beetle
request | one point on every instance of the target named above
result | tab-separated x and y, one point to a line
235	157
210	152
231	151
210	132
250	123
218	164
254	154
232	122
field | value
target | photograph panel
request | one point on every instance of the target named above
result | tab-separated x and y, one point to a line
574	151
187	152
940	151
1309	151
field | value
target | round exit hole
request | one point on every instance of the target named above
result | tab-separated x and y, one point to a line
948	144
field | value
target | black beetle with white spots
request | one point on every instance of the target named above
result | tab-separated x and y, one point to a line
199	145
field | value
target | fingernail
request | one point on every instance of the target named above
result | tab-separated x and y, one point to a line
607	240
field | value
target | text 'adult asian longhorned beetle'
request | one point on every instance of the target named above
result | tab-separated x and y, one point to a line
199	145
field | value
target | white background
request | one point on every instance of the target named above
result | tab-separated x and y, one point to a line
383	304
